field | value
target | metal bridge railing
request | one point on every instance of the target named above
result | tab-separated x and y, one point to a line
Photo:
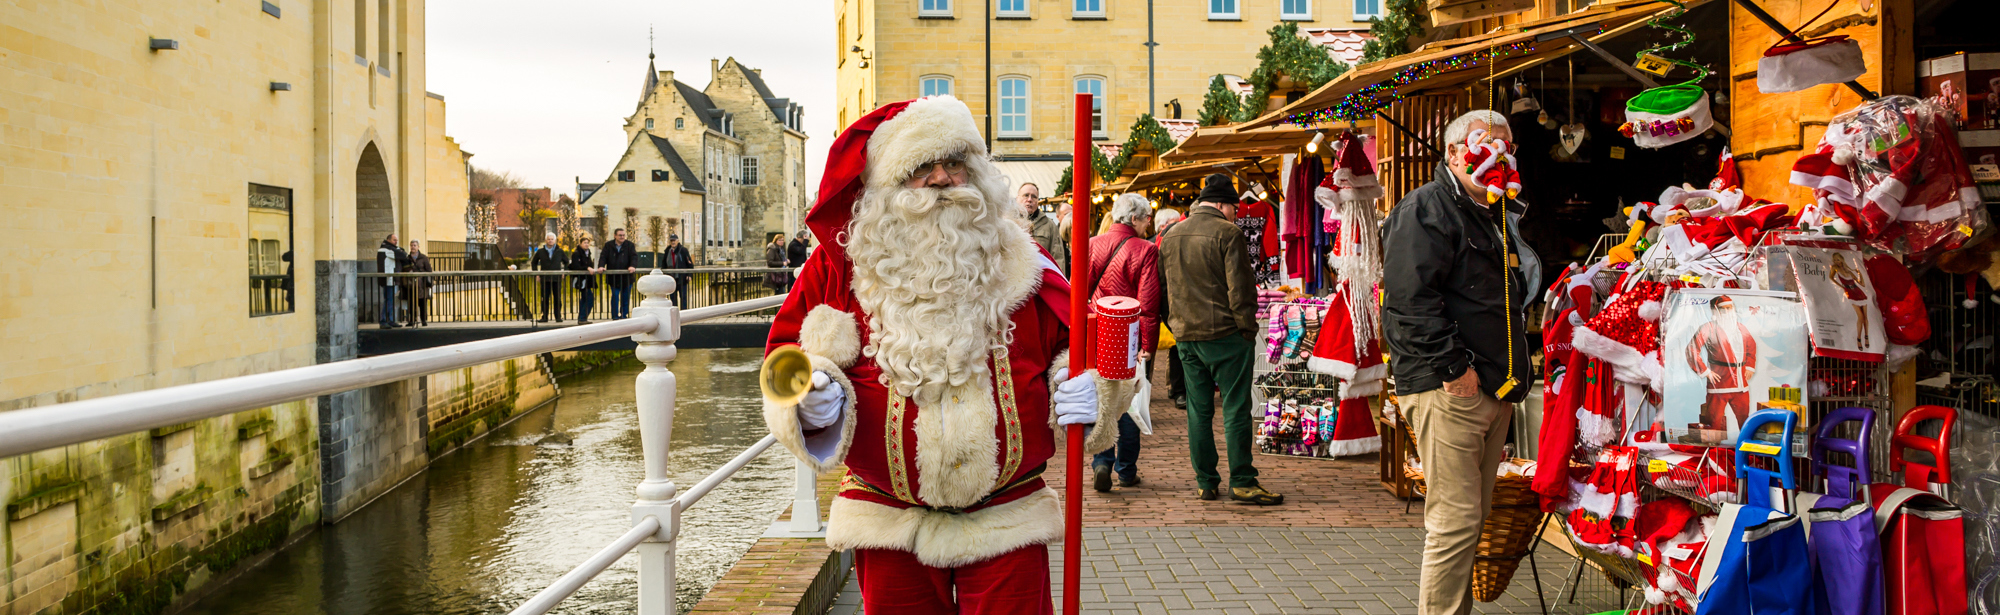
504	296
655	324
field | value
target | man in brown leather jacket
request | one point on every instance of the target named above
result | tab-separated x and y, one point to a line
1214	297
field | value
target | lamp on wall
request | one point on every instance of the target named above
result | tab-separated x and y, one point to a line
280	86
163	44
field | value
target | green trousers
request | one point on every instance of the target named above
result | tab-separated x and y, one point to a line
1219	367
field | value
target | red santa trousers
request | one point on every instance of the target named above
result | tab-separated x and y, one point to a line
1014	582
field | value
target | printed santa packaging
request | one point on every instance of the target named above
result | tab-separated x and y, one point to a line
1729	353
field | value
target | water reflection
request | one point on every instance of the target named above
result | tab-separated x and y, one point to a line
488	526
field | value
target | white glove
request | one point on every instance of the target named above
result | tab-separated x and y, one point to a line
1076	398
823	403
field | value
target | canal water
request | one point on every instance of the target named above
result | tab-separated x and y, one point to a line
489	525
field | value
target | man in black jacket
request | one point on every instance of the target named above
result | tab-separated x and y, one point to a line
617	258
1456	277
550	257
797	251
675	256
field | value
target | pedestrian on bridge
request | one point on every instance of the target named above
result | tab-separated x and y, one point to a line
676	256
618	257
796	252
1214	296
937	330
419	288
580	262
1456	275
389	258
550	257
1124	267
774	258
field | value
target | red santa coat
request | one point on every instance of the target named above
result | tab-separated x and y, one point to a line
1728	353
956	481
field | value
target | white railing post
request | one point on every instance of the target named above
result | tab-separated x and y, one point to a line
805	501
655	398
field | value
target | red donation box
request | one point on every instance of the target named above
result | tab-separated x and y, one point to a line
1115	349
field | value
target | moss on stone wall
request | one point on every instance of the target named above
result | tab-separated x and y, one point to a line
566	364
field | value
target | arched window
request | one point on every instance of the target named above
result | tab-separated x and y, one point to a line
935	85
1014	107
1094	86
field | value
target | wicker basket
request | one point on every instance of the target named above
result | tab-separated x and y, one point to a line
1506	535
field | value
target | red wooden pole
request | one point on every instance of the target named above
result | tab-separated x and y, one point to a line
1079	352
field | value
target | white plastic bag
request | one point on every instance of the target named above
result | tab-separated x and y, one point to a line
1142	403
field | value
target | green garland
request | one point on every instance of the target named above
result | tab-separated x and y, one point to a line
1289	54
1145	130
1098	164
1392	31
1220	106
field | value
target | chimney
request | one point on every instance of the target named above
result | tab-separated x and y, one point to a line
759	71
714	67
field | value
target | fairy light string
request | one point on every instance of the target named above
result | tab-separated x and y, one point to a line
1365	102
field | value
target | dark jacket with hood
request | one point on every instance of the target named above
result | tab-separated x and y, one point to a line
1442	284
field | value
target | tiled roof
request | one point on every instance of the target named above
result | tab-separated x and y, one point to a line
689	181
1343	45
771	100
703	107
1180	130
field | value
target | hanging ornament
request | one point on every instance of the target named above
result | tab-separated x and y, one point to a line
1666	115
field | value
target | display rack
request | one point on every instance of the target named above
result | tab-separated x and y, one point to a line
1282	424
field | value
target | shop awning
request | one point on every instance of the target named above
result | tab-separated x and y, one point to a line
1518	47
1043	173
1231	142
1169	176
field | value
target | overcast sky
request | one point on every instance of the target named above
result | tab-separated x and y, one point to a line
542	88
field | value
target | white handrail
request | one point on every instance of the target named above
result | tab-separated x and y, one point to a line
589	569
693	495
46	427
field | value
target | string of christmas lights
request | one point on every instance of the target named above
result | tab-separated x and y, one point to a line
1366	101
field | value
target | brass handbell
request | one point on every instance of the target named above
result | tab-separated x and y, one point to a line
787	375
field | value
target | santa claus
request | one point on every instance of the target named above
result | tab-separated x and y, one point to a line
1724	354
937	332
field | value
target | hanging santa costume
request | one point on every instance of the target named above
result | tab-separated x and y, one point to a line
1350	344
947	424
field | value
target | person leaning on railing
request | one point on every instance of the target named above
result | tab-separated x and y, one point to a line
617	257
550	257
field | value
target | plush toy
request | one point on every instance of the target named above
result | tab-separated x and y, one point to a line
1491	162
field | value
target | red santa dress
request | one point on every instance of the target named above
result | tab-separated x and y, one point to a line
943	504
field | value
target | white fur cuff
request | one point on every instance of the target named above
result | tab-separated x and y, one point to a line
1114	397
831	333
783	420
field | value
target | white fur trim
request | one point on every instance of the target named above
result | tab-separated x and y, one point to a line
784	421
1362	446
945	540
1899	354
957	455
928	129
1625	358
1359	389
1331	367
1595	429
1889	194
831	333
1650	311
1114	397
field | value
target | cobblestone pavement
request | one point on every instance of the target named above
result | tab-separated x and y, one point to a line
1340	544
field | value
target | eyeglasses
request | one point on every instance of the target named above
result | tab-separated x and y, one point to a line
953	166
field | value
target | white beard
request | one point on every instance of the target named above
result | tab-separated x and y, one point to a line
927	263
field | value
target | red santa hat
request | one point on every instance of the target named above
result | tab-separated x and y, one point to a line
1726	176
880	150
1904	320
1353	177
1626	334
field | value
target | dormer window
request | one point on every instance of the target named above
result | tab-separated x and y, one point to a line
680	123
649	123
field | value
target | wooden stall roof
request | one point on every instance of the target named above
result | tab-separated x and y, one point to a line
1612	18
1185	173
1228	142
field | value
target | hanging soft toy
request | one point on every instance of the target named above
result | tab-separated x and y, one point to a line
1491	162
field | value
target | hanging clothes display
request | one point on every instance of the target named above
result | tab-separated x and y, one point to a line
1259	222
1300	221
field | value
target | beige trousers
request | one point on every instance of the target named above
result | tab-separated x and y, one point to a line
1461	441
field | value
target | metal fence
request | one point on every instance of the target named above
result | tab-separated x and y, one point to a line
656	515
464	256
503	296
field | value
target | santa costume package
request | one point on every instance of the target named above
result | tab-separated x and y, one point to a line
945	379
1896	163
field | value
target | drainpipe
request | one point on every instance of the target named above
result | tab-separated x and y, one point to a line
1150	44
987	76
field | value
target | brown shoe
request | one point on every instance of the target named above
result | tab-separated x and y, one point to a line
1255	495
1206	494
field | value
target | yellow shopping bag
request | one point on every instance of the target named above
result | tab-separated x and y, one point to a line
1166	338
